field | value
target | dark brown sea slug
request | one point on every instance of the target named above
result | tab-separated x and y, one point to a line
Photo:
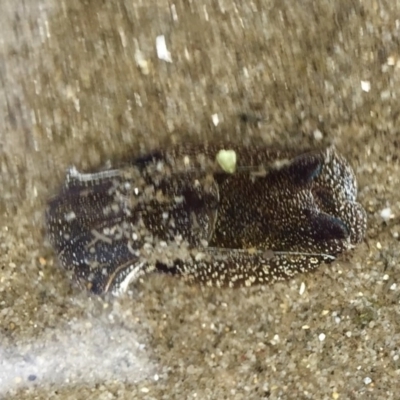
220	214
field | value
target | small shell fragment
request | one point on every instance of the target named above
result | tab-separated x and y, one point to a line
162	51
215	119
365	86
386	214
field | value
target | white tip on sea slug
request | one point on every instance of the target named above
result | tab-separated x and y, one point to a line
227	160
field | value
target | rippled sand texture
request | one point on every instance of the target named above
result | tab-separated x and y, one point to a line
84	82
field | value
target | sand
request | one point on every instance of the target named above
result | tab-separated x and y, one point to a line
87	82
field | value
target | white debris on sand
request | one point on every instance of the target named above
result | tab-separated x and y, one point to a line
386	214
365	86
215	119
318	135
162	51
321	337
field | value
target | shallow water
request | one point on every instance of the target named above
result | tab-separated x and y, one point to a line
82	84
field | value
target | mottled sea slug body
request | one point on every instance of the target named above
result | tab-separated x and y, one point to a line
221	215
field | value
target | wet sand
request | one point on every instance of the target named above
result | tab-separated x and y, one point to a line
82	84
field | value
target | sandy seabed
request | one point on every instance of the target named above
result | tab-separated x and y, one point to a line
82	83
